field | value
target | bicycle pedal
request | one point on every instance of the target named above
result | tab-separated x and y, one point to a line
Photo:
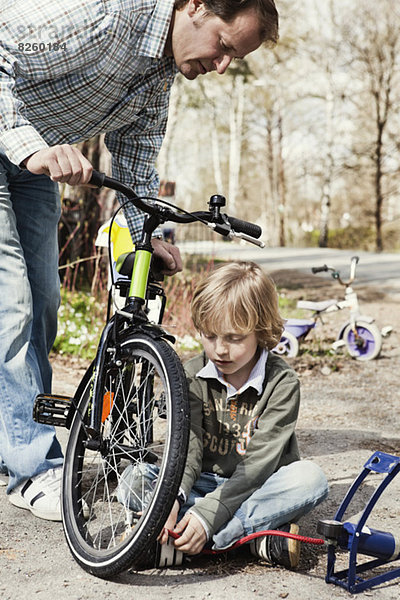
50	409
386	331
338	344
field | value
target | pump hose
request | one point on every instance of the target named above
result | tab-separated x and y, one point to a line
257	534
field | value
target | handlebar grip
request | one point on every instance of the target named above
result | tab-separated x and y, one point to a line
319	269
250	229
97	179
102	180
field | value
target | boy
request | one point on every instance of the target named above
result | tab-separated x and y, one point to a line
243	472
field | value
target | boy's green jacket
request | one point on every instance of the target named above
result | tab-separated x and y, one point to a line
245	439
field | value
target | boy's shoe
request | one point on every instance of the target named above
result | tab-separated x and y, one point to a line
161	556
41	495
278	550
167	555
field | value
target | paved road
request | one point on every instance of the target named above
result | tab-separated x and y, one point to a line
379	269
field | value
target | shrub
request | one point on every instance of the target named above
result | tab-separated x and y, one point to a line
179	290
81	318
351	238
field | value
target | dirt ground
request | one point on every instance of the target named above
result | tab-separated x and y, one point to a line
349	410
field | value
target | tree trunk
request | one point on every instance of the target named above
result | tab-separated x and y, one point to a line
281	185
327	184
80	221
164	158
236	125
273	209
378	190
215	152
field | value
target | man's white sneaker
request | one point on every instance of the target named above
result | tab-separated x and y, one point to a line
41	495
3	473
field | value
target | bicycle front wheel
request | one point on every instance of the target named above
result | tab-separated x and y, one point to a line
119	487
364	342
288	345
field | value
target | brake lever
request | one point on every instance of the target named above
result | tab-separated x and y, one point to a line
226	230
246	238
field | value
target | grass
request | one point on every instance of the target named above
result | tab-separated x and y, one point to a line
287	306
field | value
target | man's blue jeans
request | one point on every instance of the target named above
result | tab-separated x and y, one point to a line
29	300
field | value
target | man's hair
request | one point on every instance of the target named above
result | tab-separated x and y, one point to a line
238	297
228	9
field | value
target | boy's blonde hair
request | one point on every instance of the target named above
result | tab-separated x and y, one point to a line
238	296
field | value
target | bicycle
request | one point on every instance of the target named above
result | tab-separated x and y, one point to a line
359	334
130	410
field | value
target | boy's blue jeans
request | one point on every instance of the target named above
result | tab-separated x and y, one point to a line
29	300
286	496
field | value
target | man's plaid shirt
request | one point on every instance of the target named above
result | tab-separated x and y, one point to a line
71	69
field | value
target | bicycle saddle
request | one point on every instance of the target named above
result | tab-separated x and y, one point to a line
316	306
125	264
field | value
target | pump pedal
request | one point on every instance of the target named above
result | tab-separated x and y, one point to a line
51	409
338	344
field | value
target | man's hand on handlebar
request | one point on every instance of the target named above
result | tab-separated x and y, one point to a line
169	255
66	164
62	163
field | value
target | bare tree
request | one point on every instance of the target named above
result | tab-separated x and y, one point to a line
308	148
329	51
272	104
215	141
226	99
236	111
375	48
80	220
166	154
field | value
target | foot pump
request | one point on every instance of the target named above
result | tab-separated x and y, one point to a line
357	538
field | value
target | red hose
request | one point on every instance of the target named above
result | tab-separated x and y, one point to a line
253	536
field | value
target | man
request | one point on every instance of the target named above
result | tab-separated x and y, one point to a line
69	70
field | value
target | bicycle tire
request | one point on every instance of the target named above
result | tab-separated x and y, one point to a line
367	344
288	345
145	421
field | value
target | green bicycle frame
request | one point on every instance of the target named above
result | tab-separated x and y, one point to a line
137	294
140	274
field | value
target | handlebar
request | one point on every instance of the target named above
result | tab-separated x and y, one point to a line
319	269
246	227
336	275
97	179
221	223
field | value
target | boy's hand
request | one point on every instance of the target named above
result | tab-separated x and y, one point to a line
193	535
169	523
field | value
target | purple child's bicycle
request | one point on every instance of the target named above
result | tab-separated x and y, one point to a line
359	335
